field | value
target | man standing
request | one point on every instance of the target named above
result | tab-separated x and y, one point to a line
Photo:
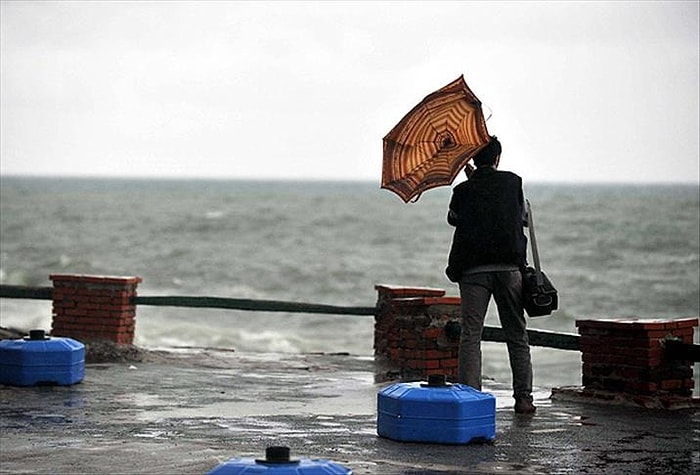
488	251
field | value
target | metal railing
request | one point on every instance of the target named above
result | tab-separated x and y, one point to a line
542	338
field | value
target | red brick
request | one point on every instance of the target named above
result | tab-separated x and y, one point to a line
64	291
650	324
121	300
613	324
687	322
442	301
408	343
77	312
671	384
125	339
658	333
438	354
99	279
433	332
432	364
449	363
397	291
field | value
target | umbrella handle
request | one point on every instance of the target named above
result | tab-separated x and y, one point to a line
468	169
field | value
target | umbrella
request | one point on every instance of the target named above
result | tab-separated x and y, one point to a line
434	141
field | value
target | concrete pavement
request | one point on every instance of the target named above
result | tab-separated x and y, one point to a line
187	411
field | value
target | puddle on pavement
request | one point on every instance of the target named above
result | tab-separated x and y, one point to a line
507	468
157	434
139	399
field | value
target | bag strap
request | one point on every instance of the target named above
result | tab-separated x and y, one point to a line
533	243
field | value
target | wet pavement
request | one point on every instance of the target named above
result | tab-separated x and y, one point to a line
187	411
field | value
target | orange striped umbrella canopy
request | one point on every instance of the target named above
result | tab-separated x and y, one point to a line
434	141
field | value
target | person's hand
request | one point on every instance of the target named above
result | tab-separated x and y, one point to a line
468	169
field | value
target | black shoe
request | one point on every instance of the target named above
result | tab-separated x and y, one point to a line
524	406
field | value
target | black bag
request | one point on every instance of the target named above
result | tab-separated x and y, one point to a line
539	295
539	299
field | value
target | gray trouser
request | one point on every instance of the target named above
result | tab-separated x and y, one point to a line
506	288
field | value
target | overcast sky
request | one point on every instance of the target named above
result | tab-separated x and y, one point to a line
579	92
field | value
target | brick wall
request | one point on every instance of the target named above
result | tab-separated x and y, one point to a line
94	308
410	337
627	356
413	339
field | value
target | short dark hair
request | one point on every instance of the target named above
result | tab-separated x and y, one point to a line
487	156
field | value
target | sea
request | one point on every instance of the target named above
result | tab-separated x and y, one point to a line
612	251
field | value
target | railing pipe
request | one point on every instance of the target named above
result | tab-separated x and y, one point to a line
252	305
25	292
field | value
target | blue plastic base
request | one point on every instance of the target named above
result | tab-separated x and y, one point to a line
51	361
302	467
452	414
41	376
435	431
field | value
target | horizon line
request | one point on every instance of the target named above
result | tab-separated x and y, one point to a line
325	179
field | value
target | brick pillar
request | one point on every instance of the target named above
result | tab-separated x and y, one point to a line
627	356
93	308
410	341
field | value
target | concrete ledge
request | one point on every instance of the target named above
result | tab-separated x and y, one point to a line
599	396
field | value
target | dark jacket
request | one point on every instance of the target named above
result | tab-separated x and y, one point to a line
487	211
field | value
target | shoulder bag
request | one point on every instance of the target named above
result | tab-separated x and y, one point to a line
540	297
